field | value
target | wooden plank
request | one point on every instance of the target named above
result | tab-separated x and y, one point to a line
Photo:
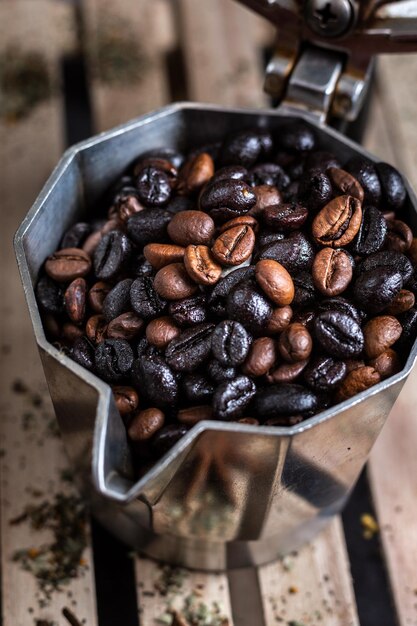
313	586
32	460
125	53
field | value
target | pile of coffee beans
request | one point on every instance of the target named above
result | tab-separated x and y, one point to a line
257	280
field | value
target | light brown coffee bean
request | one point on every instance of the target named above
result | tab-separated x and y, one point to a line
97	295
172	282
338	222
194	414
160	331
353	364
287	372
275	281
75	300
161	254
71	332
126	398
96	328
399	236
266	195
279	320
295	343
195	173
242	220
381	333
261	357
356	381
332	271
201	265
412	251
403	301
344	183
191	227
145	424
67	264
250	421
126	326
387	363
234	246
127	207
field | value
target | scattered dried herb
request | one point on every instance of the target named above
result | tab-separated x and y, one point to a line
70	617
370	526
295	623
44	622
171	580
194	612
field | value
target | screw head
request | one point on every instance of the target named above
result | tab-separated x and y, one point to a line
329	18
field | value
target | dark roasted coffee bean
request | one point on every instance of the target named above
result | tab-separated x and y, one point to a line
76	235
279	320
359	380
261	357
306	318
197	388
315	189
153	186
191	227
247	305
321	160
67	264
126	326
225	199
266	237
324	373
305	294
285	217
167	437
127	206
92	241
95	328
338	334
275	281
173	282
399	236
284	399
345	184
51	326
97	295
402	302
284	420
195	173
295	343
49	295
234	246
232	397
338	222
82	352
144	348
386	364
113	359
376	289
342	305
75	300
145	424
178	204
220	373
158	163
112	255
392	185
408	321
201	266
145	300
189	311
162	330
117	301
139	266
412	251
266	195
71	332
295	252
126	399
148	226
234	172
286	372
296	136
332	271
230	343
389	259
190	349
155	380
194	414
372	232
170	154
218	298
365	173
245	147
381	333
268	174
161	254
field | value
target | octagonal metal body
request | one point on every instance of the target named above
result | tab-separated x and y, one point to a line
227	494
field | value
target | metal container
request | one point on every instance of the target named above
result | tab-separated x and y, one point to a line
227	494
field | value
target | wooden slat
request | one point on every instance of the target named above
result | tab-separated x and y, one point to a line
393	465
31	458
125	44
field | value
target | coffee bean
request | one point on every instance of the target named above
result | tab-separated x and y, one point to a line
145	299
402	302
97	295
345	184
145	424
315	189
286	372
338	334
172	282
412	251
389	259
167	437
225	199
148	226
321	160
175	157
232	397
376	289
190	349
90	244
197	388
194	414
399	236
331	271
342	305
338	222
218	298
67	264
191	227
306	318
304	291
189	311
126	398
387	363
230	343
234	246
392	185
279	320
268	174
359	380
195	173
75	300
284	420
70	332
234	172
295	343
117	301
372	232
155	380
251	421
261	357
247	305
160	331
408	321
275	281
296	136
76	235
365	173
49	295
126	326
285	217
82	352
284	399
381	333
220	373
113	359
161	254
201	266
96	328
140	267
112	255
127	206
266	196
246	147
153	186
324	373
295	252
243	220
